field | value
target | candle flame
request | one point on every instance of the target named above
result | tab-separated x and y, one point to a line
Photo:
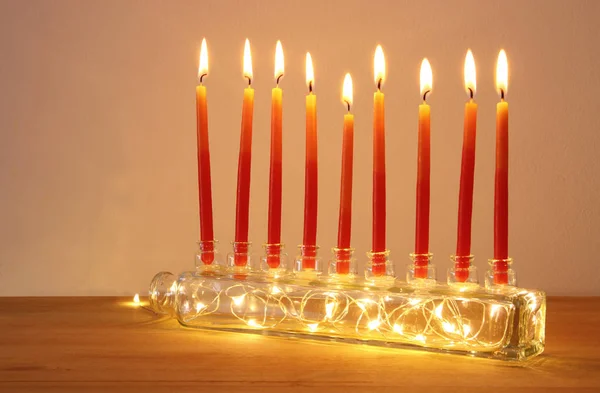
310	73
203	65
347	91
502	73
379	66
278	61
426	78
470	75
247	61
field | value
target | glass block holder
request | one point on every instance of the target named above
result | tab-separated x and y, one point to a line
496	321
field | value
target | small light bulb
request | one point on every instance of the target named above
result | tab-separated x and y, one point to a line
275	290
448	327
374	324
329	310
313	327
253	323
136	299
420	337
238	300
398	328
438	310
466	330
200	306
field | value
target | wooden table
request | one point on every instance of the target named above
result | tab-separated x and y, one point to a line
108	345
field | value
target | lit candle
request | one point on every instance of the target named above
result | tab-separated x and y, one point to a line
423	176
379	202
467	174
311	172
274	224
204	180
244	164
501	193
345	218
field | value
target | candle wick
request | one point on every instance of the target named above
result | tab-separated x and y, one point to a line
201	77
502	94
471	93
310	88
249	80
348	104
278	78
379	84
425	96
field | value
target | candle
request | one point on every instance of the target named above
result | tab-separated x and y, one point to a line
423	176
311	172
274	224
379	203
345	217
465	198
204	180
242	208
501	192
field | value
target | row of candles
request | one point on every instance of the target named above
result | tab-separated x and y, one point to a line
379	253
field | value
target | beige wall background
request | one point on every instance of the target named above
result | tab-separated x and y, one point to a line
97	153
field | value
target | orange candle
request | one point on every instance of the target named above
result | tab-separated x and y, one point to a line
501	191
345	217
423	176
379	192
204	180
467	175
275	177
242	209
311	170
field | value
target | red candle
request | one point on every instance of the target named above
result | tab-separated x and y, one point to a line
467	174
423	176
311	172
379	193
501	191
345	218
275	178
204	180
242	208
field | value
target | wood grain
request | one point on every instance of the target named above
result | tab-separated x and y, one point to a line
106	344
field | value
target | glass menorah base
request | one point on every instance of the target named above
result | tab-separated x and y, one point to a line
502	322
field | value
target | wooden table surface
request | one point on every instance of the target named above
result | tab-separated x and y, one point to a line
106	344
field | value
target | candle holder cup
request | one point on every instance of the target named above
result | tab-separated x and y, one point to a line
421	272
162	291
208	257
240	261
275	262
308	264
343	267
379	268
463	275
500	274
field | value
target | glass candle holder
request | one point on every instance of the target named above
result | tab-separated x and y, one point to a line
342	266
308	265
500	273
240	261
379	268
275	262
208	257
421	271
162	291
463	275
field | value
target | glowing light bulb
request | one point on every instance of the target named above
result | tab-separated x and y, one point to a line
398	328
438	310
313	327
200	306
494	310
238	300
253	323
420	337
329	310
414	301
448	327
466	330
372	325
275	290
136	299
